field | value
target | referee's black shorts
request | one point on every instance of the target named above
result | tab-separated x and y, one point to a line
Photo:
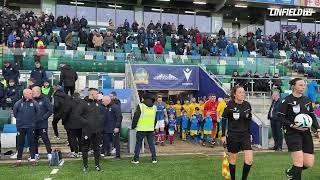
299	141
238	142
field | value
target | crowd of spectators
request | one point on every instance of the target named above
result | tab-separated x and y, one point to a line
27	30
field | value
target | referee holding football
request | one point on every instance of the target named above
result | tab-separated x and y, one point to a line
238	114
298	139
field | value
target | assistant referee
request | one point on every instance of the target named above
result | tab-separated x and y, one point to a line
238	116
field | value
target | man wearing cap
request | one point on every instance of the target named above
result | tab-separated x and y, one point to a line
90	114
144	120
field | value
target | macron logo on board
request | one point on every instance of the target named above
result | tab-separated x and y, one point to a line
187	73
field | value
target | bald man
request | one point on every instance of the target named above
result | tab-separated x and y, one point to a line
41	125
26	112
112	123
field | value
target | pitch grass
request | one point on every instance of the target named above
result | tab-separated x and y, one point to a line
267	166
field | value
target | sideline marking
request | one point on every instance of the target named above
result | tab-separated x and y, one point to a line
54	171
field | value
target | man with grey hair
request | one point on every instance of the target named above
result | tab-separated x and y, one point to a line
276	124
112	124
26	111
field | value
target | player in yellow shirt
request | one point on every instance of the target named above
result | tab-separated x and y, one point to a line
222	104
178	107
201	105
194	105
186	107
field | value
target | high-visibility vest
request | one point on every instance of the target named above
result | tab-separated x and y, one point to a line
4	82
147	118
45	90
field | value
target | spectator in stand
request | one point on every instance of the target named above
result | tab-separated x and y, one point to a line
214	50
198	38
222	33
12	39
63	33
83	22
151	26
83	36
97	41
231	49
109	42
250	44
38	74
126	25
135	26
241	43
258	33
28	40
158	49
151	37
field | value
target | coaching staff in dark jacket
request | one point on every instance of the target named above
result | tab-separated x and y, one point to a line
58	109
91	116
73	124
26	112
112	124
41	125
68	77
10	72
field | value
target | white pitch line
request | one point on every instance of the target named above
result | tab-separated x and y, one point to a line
62	162
54	171
48	179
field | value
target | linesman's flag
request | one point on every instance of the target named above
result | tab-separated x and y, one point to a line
225	166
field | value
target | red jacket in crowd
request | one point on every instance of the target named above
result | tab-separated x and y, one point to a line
158	49
198	38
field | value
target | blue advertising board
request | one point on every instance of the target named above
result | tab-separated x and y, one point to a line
124	95
166	77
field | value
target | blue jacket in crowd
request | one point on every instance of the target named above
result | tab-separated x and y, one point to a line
45	111
26	113
231	50
39	75
214	50
11	39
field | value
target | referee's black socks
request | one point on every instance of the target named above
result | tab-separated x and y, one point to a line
296	172
232	168
245	171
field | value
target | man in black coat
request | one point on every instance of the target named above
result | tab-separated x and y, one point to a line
73	124
112	125
10	72
83	22
68	77
90	114
58	109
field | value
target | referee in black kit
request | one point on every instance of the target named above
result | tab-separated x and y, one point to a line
90	113
238	114
299	140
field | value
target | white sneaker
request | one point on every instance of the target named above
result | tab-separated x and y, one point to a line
102	155
154	162
79	155
49	157
36	157
113	151
57	137
72	155
14	156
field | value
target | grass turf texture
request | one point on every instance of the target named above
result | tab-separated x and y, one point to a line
267	166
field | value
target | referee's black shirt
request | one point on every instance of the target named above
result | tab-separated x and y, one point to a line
238	117
292	106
